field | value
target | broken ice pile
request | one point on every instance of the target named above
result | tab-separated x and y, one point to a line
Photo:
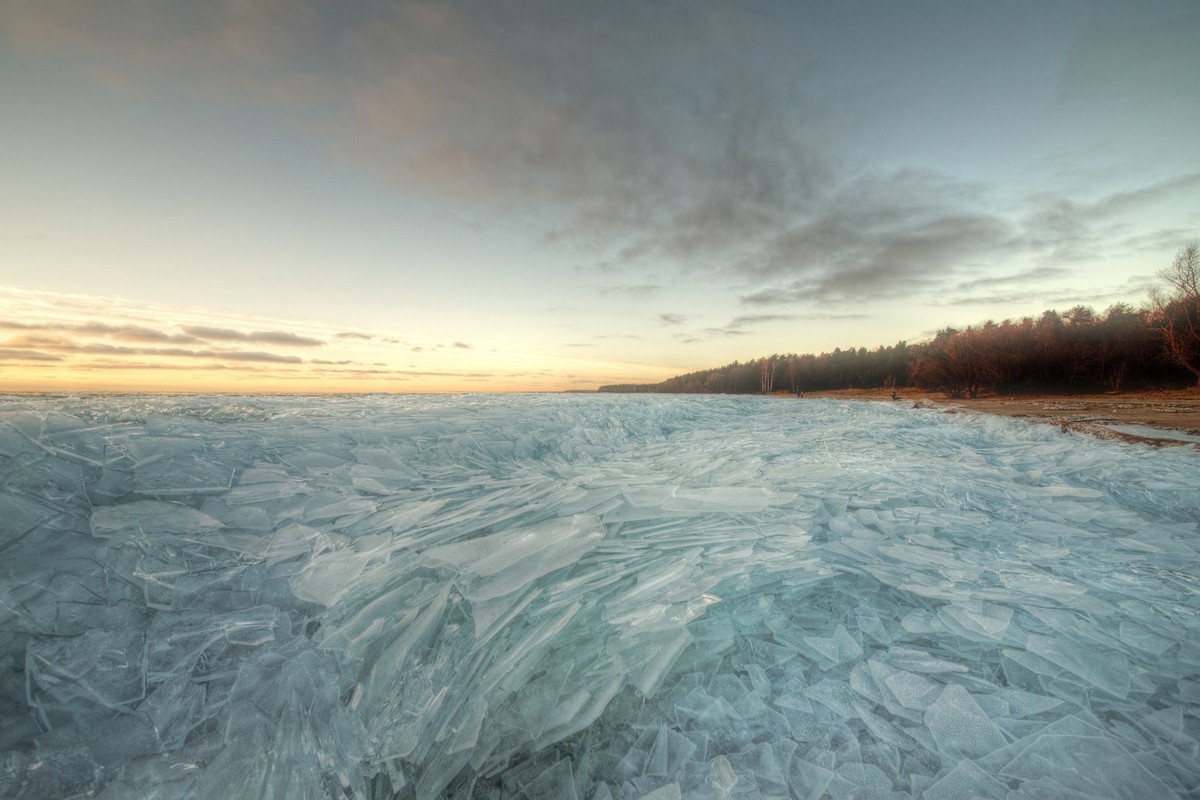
589	597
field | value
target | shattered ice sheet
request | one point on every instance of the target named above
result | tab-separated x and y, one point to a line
589	597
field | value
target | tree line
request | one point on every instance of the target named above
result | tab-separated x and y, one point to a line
1076	350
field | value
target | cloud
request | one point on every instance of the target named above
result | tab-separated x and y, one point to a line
726	331
759	319
128	333
1120	202
149	365
615	123
672	319
72	335
1038	296
132	333
1157	241
267	358
877	236
1059	229
635	291
1015	294
1032	275
206	332
11	354
61	345
283	338
263	337
39	340
911	232
653	131
738	325
699	138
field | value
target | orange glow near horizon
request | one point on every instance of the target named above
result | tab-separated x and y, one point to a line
70	343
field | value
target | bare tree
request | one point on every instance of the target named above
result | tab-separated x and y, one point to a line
1177	310
768	375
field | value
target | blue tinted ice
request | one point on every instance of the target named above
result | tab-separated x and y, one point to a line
589	597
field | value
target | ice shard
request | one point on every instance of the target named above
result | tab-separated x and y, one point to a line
591	597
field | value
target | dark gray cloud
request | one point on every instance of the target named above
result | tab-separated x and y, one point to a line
913	232
877	236
672	319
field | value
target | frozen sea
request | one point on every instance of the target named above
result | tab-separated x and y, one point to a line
589	596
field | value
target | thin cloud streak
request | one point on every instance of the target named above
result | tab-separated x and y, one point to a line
262	337
11	354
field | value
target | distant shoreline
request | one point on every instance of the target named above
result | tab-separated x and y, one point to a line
1169	409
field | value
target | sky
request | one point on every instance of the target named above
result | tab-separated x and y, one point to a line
290	195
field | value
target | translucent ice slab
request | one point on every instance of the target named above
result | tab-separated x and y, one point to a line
590	597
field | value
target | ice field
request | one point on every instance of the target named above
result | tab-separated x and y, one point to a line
589	596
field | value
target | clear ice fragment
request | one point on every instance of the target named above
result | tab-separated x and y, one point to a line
960	727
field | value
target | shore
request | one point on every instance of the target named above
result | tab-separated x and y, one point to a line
1174	413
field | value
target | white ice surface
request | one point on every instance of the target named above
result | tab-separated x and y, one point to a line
590	597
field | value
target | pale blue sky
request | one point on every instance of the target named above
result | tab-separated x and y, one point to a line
585	192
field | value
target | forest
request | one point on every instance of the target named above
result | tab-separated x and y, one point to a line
1073	351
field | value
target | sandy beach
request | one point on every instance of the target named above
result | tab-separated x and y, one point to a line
1176	413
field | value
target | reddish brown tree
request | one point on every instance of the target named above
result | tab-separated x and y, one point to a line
1177	310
